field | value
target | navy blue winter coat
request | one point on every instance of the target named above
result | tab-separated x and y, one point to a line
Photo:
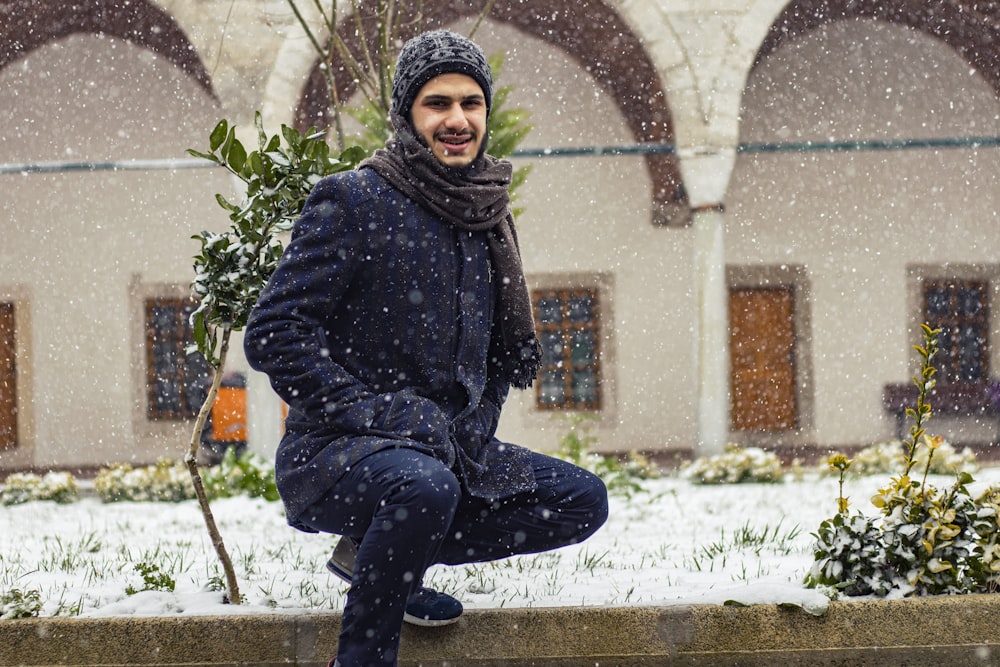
377	330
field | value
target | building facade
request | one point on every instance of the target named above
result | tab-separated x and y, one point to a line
803	183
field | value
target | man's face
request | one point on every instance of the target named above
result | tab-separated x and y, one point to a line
450	114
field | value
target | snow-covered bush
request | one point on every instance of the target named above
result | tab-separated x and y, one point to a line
927	541
885	457
946	460
167	480
878	459
736	466
20	488
987	528
850	557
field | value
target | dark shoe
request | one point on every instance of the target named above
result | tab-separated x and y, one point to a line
426	607
341	563
430	608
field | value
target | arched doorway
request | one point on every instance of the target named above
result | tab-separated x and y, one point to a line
29	24
971	28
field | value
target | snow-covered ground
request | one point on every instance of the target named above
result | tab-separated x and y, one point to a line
677	543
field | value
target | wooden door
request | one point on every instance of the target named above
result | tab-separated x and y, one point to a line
762	349
8	378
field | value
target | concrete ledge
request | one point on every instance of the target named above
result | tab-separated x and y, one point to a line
958	630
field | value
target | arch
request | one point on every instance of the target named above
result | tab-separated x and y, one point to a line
971	28
29	25
604	45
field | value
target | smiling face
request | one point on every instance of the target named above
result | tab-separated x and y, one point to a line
449	112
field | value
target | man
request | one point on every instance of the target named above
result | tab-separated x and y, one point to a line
393	327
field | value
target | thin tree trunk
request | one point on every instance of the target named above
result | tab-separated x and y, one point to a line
199	488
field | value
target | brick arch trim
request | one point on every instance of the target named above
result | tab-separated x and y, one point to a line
29	24
595	36
970	27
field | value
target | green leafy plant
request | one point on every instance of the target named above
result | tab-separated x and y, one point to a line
925	382
575	444
16	603
621	478
850	558
840	463
233	266
927	540
153	579
507	128
247	474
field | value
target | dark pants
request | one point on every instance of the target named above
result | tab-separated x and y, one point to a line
408	512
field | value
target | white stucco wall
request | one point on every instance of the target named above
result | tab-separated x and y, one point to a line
80	244
856	221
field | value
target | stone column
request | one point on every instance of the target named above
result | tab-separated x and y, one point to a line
711	340
706	175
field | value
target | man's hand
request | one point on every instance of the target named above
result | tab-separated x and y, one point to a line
477	427
411	416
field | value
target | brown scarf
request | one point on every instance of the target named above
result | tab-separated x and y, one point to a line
475	198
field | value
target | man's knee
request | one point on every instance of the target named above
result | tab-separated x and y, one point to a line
598	494
591	501
425	493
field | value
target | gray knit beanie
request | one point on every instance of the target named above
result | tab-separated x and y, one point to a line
430	54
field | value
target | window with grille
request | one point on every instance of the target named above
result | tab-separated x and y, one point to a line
960	308
568	324
176	382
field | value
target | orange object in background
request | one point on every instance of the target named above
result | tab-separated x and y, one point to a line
229	412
